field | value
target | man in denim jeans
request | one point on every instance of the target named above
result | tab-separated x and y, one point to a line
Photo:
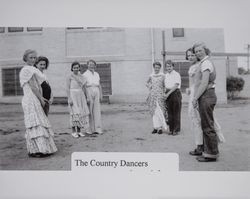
206	98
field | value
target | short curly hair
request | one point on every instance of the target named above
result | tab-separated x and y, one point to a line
26	53
156	64
188	50
42	58
91	60
169	62
75	63
203	45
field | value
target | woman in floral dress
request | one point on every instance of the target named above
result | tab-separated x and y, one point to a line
155	100
39	134
77	100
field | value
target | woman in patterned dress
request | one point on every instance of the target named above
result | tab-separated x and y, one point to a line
77	100
193	113
155	100
42	63
39	134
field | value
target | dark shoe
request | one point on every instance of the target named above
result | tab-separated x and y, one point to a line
159	131
44	155
175	133
33	155
154	131
204	159
195	152
170	133
38	155
95	133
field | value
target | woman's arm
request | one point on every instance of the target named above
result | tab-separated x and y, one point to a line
51	98
202	87
36	91
172	90
100	90
68	91
188	91
86	93
149	83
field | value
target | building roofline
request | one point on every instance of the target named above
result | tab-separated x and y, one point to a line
222	54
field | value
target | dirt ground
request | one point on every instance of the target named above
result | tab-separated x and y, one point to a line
127	128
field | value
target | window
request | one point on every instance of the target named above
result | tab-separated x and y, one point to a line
182	68
74	28
10	82
15	29
178	32
30	29
85	28
2	29
94	28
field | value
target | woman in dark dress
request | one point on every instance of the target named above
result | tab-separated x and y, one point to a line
42	63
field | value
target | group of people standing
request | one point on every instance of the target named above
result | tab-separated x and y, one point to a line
164	99
164	102
84	95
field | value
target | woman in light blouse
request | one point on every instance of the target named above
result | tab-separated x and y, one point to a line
205	98
94	91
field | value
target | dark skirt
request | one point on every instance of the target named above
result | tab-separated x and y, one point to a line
47	95
46	90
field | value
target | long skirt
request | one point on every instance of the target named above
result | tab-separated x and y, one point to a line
39	134
159	121
79	112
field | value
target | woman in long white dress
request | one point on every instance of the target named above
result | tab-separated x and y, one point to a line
193	113
77	100
194	73
39	134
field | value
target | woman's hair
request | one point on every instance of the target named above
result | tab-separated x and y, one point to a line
203	45
169	62
189	50
42	58
156	64
26	53
75	63
91	60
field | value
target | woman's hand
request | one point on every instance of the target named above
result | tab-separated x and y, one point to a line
43	102
101	98
195	103
70	102
166	95
88	100
50	101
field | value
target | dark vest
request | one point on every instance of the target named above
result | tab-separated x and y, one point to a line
212	75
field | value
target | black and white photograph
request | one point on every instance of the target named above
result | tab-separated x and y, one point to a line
168	88
107	89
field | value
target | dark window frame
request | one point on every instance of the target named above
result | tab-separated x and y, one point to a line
178	32
15	29
2	29
15	88
34	29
